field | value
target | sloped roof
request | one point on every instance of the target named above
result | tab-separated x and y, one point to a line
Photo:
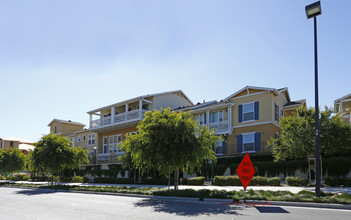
249	87
66	122
17	139
140	97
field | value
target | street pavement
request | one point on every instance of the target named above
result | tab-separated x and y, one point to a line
38	204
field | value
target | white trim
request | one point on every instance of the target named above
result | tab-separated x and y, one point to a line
260	123
248	103
257	93
249	87
346	100
211	107
140	97
251	151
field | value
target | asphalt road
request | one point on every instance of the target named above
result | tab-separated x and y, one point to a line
39	204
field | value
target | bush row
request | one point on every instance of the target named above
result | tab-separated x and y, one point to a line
193	181
334	181
255	181
18	178
296	181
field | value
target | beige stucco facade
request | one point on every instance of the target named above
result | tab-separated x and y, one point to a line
342	106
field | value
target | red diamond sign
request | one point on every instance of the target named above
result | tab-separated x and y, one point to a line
245	170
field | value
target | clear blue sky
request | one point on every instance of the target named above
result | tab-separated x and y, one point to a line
62	58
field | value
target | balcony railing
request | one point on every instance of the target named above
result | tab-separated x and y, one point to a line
105	158
220	126
118	118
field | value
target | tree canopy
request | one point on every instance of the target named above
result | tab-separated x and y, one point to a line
169	140
12	160
55	153
297	137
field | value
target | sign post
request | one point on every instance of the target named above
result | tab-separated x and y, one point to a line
245	171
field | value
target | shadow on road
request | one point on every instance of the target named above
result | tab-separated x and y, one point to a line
186	208
36	191
270	209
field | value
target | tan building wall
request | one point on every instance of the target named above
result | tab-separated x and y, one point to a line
7	144
123	132
267	131
64	128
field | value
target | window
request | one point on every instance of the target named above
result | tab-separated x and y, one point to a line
79	139
219	147
202	119
216	116
104	145
91	139
73	140
249	142
84	138
248	111
276	112
55	130
276	135
11	143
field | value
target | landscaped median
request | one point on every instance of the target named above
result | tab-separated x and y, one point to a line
266	195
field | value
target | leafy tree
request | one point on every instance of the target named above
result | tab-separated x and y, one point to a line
297	137
12	160
55	153
170	141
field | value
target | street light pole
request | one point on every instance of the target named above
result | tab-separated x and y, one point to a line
313	10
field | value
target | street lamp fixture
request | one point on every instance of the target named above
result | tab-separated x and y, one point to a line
312	11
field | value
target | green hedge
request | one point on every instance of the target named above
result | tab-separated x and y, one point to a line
114	180
156	181
195	181
226	181
296	181
334	181
18	178
274	181
255	181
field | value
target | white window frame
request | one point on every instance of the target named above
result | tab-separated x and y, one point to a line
219	146
79	139
91	139
219	116
253	112
243	144
203	120
105	144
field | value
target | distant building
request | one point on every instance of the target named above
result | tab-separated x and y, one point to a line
23	145
343	106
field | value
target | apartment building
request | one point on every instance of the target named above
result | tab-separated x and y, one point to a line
343	106
24	145
246	120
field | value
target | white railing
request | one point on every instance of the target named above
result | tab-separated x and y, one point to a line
220	126
118	118
104	156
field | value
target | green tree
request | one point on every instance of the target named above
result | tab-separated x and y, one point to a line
297	137
168	140
12	160
55	153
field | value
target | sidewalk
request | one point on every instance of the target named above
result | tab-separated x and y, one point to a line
293	189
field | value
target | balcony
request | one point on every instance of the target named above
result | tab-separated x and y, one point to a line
105	158
118	118
220	127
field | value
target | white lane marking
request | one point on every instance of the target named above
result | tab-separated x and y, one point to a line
323	209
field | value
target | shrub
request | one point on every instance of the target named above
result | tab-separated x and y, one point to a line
155	181
259	181
2	178
226	181
196	181
114	180
274	181
77	179
56	179
40	178
183	181
296	181
334	181
65	179
18	178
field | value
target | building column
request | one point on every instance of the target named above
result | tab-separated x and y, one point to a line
101	118
126	112
207	118
229	117
140	108
90	120
113	115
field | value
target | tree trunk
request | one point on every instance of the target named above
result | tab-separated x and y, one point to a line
176	177
52	179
